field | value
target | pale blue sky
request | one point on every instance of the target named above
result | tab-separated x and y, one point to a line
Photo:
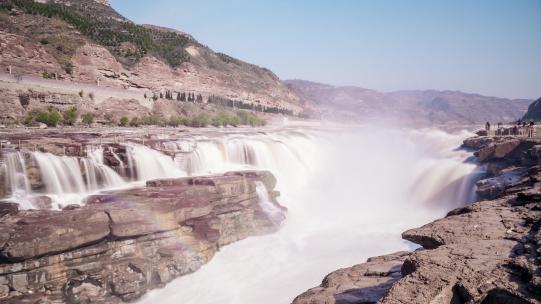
491	47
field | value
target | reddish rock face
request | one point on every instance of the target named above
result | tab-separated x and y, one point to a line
123	243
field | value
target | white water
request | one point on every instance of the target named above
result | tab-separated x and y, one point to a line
350	194
16	179
67	180
151	164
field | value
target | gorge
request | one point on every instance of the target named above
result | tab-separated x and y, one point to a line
140	165
322	174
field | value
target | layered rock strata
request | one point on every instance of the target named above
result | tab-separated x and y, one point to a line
486	252
122	244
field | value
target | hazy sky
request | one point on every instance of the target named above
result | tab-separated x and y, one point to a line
492	47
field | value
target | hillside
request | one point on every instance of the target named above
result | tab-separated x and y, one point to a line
409	107
87	41
534	110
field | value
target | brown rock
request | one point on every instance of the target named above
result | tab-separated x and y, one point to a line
8	208
124	243
363	283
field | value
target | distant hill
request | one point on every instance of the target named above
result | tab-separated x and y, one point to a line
534	110
409	107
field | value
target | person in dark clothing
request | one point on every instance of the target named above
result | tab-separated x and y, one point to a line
531	128
487	128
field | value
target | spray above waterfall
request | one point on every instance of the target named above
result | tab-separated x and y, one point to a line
289	154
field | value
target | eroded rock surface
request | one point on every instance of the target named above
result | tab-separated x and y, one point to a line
124	243
363	283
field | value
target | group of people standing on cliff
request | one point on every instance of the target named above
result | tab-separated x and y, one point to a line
520	128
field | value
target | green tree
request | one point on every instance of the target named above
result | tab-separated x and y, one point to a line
234	120
88	118
200	120
134	122
70	116
124	121
54	118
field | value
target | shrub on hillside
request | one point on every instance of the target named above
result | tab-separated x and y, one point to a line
70	116
134	122
88	118
50	118
124	121
247	118
200	120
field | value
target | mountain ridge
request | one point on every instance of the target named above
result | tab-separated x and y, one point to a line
407	106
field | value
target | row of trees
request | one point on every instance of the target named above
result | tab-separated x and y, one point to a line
70	117
196	121
221	101
181	96
226	102
53	117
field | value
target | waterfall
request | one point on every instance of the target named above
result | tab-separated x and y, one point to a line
274	213
61	174
349	192
16	179
66	180
151	164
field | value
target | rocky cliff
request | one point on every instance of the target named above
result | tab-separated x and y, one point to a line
534	110
122	244
486	252
88	42
405	107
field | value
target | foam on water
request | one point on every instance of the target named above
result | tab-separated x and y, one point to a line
350	193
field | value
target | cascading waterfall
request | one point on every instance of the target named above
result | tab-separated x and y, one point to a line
66	179
274	213
349	194
151	164
17	183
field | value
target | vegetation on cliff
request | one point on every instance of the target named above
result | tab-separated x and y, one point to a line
70	117
129	42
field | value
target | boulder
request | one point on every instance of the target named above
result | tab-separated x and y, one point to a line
363	283
8	208
37	233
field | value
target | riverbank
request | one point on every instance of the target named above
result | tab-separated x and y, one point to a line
486	252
